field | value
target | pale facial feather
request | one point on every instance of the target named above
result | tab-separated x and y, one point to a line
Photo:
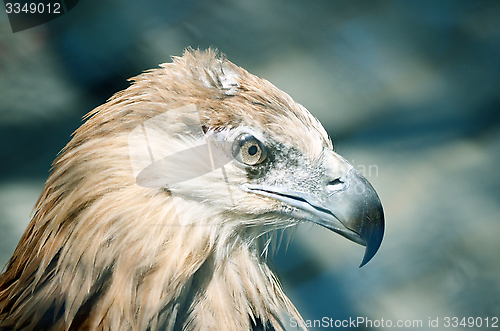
93	219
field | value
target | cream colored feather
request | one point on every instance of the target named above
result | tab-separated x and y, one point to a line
104	253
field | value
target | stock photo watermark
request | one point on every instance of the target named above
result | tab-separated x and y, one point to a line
174	151
365	322
156	164
367	171
24	14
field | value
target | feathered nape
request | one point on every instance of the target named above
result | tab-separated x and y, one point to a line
103	253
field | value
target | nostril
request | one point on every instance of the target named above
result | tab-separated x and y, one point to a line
335	185
335	182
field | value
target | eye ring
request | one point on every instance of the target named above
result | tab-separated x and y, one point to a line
249	150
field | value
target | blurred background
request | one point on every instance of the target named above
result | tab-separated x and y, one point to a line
408	90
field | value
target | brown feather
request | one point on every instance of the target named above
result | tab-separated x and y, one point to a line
103	253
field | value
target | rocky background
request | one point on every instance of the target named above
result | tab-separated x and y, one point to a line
408	90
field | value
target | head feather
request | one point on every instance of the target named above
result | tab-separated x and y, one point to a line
104	253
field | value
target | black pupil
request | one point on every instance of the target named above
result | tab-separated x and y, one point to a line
252	150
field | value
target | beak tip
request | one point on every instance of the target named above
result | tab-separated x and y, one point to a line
366	259
373	242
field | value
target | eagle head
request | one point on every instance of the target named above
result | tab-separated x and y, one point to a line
156	214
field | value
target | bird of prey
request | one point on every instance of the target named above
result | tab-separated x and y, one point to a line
158	212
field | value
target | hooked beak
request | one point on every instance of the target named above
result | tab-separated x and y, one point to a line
348	205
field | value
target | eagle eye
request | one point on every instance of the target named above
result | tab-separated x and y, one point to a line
249	150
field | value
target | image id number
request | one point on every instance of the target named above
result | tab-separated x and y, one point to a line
32	8
471	322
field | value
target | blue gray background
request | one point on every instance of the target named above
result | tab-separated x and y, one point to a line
408	90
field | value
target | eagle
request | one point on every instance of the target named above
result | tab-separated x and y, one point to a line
159	212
